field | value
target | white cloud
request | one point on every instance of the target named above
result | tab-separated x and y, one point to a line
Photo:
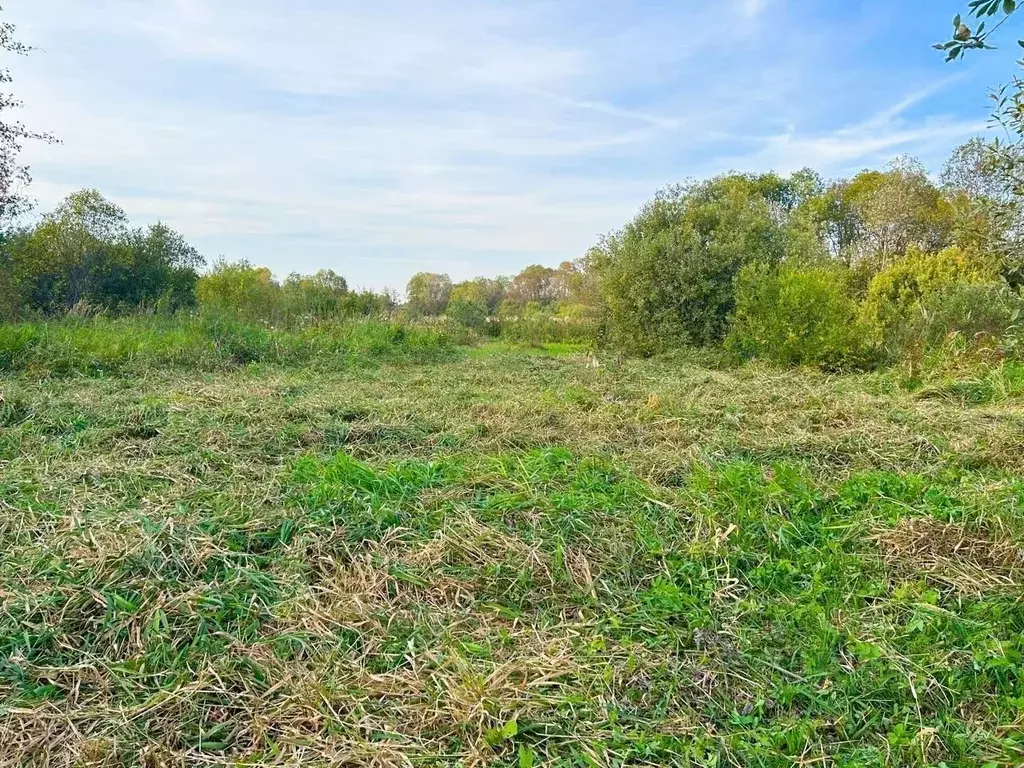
388	137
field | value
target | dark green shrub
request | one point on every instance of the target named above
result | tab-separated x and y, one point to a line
668	277
472	314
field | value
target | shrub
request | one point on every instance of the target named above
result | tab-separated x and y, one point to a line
239	288
472	314
927	299
668	278
798	316
894	293
965	316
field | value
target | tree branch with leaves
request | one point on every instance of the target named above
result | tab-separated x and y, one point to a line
14	176
965	39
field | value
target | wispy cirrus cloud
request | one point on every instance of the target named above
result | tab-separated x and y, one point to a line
477	137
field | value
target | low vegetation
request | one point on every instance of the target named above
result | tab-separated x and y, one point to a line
102	346
510	557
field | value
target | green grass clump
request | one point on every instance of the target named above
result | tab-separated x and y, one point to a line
511	558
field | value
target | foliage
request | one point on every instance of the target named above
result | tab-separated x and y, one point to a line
668	276
14	177
314	297
428	293
965	317
488	292
964	39
239	287
536	284
898	298
472	313
896	209
986	200
85	251
799	315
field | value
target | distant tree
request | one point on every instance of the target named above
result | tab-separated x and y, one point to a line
492	291
69	255
988	208
428	293
240	288
14	176
897	208
471	312
313	297
488	292
85	250
535	283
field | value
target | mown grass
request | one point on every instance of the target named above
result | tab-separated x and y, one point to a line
509	558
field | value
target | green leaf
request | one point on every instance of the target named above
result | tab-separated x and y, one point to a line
1009	6
956	21
497	736
526	756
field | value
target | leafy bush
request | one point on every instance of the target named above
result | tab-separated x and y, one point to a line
931	300
239	288
964	317
470	313
668	278
85	250
894	293
799	316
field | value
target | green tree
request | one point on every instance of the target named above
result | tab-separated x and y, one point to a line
988	215
69	256
489	291
428	293
85	250
897	208
535	284
314	297
667	277
240	288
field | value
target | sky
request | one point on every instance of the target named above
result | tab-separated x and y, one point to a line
384	138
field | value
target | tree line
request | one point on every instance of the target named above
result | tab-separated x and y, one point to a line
843	273
847	272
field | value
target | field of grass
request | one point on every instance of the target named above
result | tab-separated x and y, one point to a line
98	346
508	557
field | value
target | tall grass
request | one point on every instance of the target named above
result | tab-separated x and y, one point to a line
134	344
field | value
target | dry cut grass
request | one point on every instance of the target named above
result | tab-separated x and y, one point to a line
513	558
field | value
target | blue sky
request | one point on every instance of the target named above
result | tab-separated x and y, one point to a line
384	138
